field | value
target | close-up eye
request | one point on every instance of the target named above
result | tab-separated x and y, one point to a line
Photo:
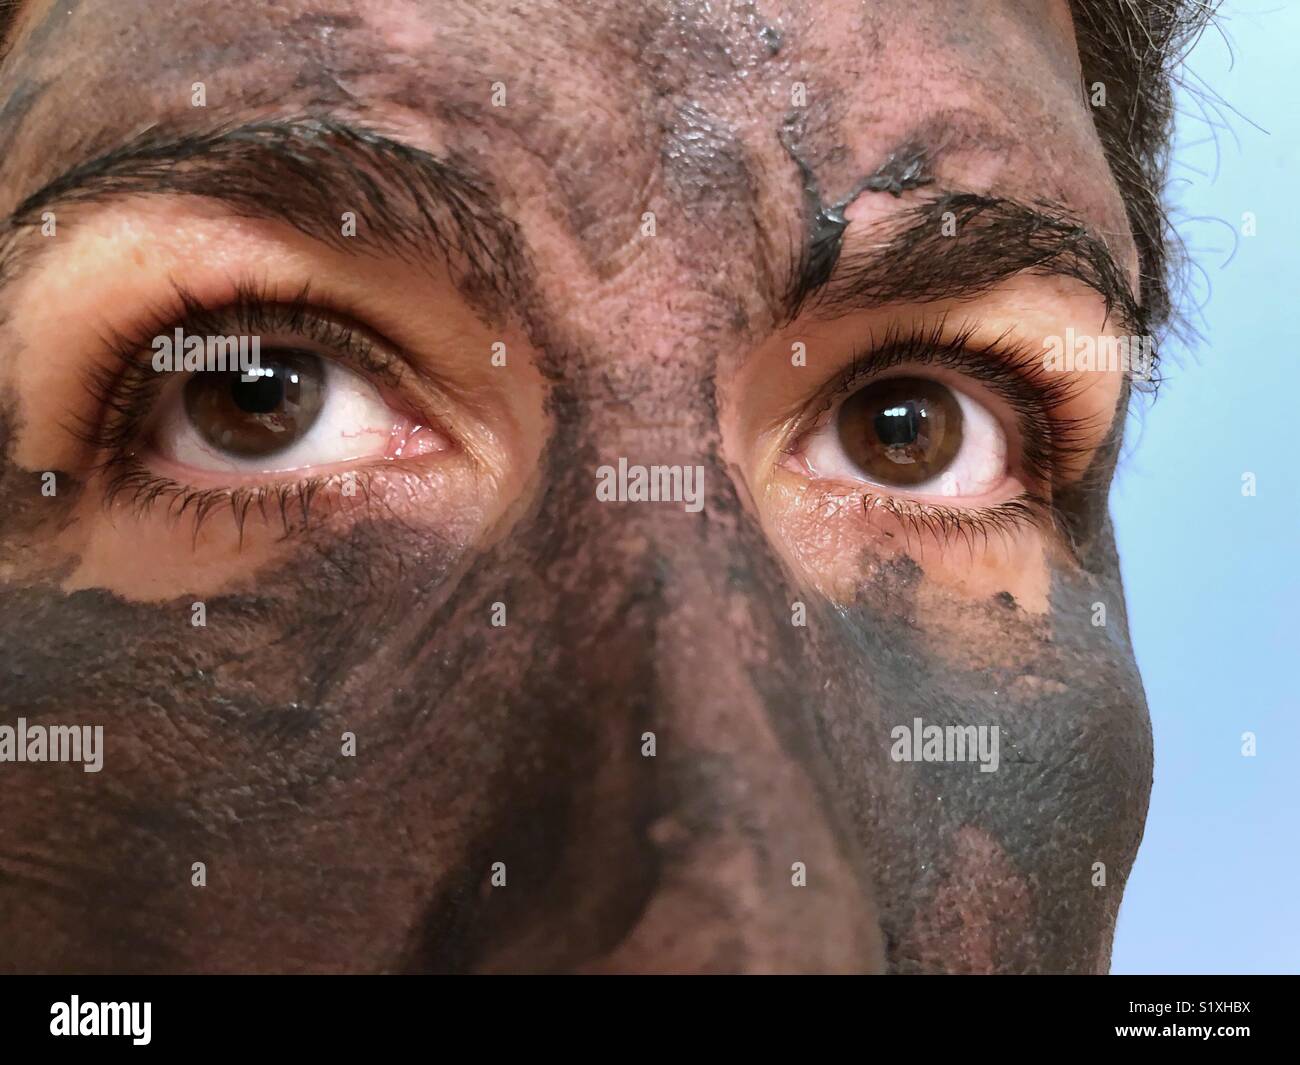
296	410
262	395
914	433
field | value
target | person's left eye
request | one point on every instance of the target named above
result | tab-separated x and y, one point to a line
913	435
297	411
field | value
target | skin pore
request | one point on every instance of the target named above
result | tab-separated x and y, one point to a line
671	196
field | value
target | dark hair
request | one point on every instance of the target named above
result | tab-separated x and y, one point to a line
1133	48
8	15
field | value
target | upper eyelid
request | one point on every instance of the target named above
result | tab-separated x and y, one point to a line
1049	437
993	363
253	307
125	389
1013	369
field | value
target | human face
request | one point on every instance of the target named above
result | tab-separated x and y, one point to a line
473	713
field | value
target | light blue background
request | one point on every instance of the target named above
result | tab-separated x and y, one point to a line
1213	578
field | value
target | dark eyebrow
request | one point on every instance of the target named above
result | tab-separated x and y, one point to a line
954	246
307	172
8	16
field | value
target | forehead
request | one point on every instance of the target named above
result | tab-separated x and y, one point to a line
586	117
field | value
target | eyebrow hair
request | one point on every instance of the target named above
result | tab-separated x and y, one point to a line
8	18
307	172
954	246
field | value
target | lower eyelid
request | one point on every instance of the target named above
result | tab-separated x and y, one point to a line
834	526
851	515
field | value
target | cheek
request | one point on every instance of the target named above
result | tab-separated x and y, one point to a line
223	743
1067	797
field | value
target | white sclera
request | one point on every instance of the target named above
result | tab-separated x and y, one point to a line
354	423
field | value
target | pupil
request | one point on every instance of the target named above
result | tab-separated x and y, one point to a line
899	425
261	396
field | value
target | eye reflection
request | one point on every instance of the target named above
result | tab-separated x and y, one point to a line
259	415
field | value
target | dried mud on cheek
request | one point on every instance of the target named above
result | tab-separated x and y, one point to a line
1071	788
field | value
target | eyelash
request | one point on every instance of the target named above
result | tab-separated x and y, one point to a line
125	390
1014	372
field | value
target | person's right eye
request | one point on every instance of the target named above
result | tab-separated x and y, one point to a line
323	395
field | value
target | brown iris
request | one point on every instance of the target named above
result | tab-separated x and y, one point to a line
258	415
902	430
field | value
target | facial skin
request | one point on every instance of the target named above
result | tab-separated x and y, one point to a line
776	223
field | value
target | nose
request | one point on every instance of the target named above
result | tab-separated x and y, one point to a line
703	833
756	872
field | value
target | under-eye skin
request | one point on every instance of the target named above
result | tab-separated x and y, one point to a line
949	435
309	423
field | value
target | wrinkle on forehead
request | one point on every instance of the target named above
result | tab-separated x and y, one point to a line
990	92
